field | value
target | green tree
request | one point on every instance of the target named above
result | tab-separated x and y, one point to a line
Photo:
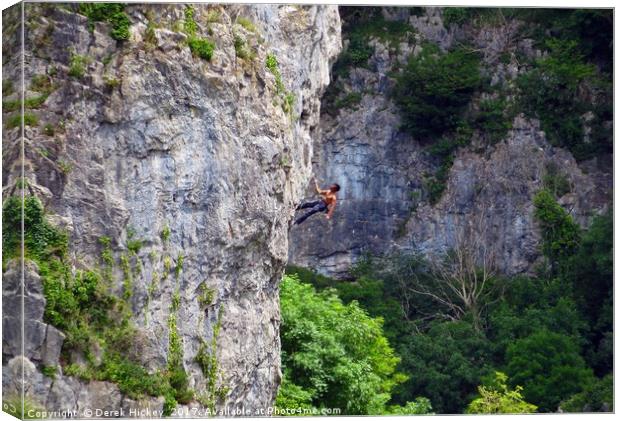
333	355
420	406
549	367
446	364
590	274
499	399
531	305
552	92
596	397
560	234
434	89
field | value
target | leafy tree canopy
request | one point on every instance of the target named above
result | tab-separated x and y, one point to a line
549	367
500	399
333	355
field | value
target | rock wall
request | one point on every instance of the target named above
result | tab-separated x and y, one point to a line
152	138
384	207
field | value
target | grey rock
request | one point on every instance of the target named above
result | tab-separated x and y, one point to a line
102	398
52	346
33	337
143	408
62	394
202	147
383	207
35	386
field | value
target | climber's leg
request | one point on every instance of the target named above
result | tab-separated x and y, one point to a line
319	207
308	205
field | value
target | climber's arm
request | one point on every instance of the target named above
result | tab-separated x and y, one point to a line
330	211
318	190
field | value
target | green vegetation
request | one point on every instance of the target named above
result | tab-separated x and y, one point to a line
35	102
207	295
360	26
179	267
111	82
478	16
288	102
127	277
107	257
49	371
350	100
177	375
64	166
80	304
112	13
246	23
48	129
13	405
11	105
167	266
149	34
442	92
596	397
214	16
560	234
27	119
241	49
551	334
434	89
134	245
200	47
189	24
549	367
493	119
207	360
590	275
77	66
7	87
41	84
333	355
455	15
443	151
30	103
433	93
272	65
366	24
555	181
165	234
287	98
499	399
551	92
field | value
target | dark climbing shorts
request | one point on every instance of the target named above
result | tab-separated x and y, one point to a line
316	206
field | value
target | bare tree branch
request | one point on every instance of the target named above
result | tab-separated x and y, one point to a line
463	275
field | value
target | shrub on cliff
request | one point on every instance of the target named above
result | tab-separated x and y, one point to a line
113	13
80	304
560	234
561	90
201	47
434	89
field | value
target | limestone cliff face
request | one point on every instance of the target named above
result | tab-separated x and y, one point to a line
384	206
151	138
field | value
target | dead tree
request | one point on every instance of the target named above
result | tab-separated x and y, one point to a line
464	277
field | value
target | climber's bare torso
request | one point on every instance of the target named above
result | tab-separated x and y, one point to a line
329	198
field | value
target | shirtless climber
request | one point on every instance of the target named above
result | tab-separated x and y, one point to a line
327	203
